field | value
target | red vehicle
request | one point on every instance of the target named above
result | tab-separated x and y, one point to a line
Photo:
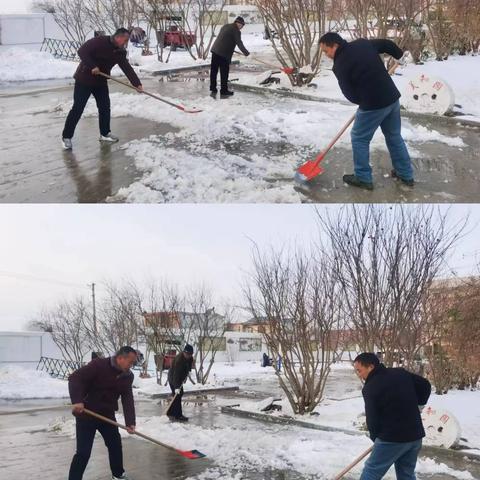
175	37
168	358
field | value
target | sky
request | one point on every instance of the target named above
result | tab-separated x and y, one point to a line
15	6
53	252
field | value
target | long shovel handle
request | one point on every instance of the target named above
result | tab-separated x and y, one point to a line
355	462
179	107
391	71
123	427
170	404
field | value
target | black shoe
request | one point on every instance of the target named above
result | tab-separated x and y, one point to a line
182	418
226	93
356	182
409	183
213	90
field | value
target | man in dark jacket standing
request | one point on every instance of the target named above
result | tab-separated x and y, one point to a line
363	79
177	375
97	386
228	38
98	55
393	398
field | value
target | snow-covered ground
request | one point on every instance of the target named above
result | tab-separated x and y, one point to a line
21	383
256	446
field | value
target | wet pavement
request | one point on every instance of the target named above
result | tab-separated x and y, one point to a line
31	449
35	169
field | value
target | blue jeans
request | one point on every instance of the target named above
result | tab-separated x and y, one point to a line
365	125
385	454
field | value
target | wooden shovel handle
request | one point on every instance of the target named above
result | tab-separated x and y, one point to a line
123	427
355	462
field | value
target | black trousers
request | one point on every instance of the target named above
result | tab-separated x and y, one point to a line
81	94
175	409
85	430
223	64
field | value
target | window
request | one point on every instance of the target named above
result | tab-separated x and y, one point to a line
213	344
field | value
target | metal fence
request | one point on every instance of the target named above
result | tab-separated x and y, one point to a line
64	49
58	368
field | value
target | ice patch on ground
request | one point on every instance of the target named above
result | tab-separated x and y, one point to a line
22	383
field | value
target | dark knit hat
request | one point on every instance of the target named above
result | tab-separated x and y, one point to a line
188	349
240	20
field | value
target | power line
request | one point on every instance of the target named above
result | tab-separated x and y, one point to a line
34	278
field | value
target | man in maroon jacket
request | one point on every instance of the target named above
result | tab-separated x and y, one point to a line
98	55
97	386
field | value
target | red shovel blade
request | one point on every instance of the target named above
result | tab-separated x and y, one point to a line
191	454
310	169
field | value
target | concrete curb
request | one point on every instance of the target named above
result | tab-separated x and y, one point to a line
190	393
449	121
428	450
192	68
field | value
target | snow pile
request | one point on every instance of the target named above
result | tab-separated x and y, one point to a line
18	65
260	447
21	383
224	154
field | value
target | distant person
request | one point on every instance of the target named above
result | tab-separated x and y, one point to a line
98	55
393	398
97	386
178	373
222	50
363	79
266	361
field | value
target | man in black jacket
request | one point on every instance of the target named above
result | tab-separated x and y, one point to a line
393	401
222	50
98	386
98	55
363	79
177	375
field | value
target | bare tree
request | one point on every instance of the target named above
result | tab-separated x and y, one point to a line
71	16
386	259
118	319
298	298
298	25
108	15
198	17
67	325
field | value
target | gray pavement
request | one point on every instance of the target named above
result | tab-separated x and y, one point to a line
35	169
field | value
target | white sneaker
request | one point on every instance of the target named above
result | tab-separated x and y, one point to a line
108	138
67	143
123	477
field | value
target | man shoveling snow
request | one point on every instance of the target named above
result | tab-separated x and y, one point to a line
364	81
393	399
98	55
97	386
177	375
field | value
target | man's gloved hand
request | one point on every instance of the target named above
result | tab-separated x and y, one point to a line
404	59
95	71
178	391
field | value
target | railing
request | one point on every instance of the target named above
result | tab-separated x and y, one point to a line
64	49
58	368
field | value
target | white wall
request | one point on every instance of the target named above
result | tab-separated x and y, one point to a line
29	30
26	348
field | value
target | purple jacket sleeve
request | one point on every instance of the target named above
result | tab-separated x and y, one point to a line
85	52
128	405
79	382
129	72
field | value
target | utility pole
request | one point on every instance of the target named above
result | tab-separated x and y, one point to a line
92	286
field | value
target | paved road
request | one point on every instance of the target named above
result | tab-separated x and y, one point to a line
35	169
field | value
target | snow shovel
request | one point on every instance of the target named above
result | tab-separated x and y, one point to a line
311	168
190	454
179	107
355	462
287	70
